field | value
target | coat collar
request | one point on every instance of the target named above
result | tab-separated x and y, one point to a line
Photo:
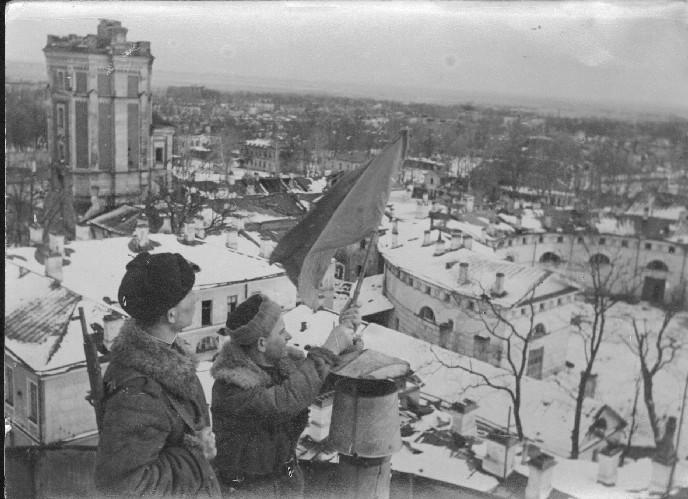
173	369
234	366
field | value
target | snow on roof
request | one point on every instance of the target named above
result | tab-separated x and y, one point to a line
61	343
244	245
669	213
318	185
548	405
259	143
371	299
610	225
419	261
96	267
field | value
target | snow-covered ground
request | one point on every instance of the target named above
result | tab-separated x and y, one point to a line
618	368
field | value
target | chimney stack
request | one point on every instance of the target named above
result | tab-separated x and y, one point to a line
439	248
500	454
540	476
590	385
189	232
232	238
608	464
36	234
463	273
83	232
142	233
53	266
265	247
199	227
455	241
427	238
468	242
166	227
463	418
395	233
231	180
548	222
56	243
498	288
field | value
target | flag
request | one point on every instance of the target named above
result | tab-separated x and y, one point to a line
350	211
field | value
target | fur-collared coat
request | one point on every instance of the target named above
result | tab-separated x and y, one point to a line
146	448
259	413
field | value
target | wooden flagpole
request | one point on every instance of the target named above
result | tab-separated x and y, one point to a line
372	241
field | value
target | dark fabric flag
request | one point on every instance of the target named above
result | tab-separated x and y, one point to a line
350	211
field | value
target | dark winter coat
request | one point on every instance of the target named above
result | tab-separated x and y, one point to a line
146	448
259	413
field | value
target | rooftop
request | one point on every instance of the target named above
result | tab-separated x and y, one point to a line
95	268
111	39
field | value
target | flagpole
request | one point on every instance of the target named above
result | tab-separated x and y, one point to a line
372	241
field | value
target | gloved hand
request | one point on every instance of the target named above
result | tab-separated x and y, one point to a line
351	316
340	339
207	440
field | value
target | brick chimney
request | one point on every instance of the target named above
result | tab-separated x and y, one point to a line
82	232
540	476
468	242
608	464
166	227
232	238
53	266
500	454
141	233
189	234
463	273
455	241
56	243
439	248
463	417
427	238
265	247
498	287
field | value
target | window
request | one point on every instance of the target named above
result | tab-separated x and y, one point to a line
33	402
60	117
525	240
624	243
648	246
541	239
535	358
206	312
523	311
363	243
580	240
410	281
672	249
481	348
559	301
338	271
427	314
81	82
359	269
231	304
158	155
510	242
61	151
132	87
539	330
470	305
427	290
560	239
9	386
542	307
207	344
602	240
657	265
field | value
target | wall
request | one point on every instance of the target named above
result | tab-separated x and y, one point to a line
630	255
19	412
68	414
409	299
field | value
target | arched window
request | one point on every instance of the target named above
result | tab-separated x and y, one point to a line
539	329
427	314
550	257
657	265
599	259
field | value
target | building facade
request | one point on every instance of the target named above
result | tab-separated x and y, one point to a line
100	111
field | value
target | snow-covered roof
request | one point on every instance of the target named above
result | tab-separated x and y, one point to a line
41	320
443	270
95	268
259	143
371	299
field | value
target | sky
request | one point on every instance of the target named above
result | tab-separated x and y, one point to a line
633	53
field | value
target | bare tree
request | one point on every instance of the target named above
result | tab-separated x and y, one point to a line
655	351
609	284
633	425
515	346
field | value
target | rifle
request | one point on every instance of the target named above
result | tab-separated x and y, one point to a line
95	376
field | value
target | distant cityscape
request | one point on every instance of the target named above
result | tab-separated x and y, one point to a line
527	257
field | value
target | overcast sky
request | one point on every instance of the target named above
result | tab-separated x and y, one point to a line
617	52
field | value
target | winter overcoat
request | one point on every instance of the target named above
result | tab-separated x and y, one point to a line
259	413
152	396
